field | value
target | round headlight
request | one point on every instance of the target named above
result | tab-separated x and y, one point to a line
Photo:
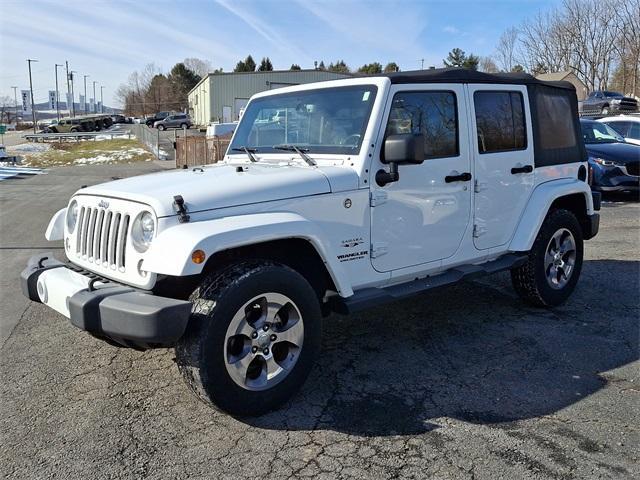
72	216
143	231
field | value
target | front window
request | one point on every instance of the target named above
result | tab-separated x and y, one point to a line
596	132
327	120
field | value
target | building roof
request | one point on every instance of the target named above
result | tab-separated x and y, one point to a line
464	75
266	72
553	76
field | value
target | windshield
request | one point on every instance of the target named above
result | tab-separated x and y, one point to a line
327	120
595	132
612	94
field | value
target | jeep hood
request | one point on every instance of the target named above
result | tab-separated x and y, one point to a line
223	185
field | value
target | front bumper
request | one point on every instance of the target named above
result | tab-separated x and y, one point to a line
119	313
613	179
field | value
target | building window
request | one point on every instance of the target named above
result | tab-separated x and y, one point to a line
500	121
433	114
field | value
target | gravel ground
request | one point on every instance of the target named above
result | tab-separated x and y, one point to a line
465	382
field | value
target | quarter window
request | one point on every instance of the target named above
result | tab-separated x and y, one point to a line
433	114
500	121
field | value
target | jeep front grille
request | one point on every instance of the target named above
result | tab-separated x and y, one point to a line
102	237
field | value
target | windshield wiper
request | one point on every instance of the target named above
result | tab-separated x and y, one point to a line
249	151
300	151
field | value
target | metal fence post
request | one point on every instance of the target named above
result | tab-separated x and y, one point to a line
158	145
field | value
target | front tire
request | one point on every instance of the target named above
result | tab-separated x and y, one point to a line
161	127
554	264
254	333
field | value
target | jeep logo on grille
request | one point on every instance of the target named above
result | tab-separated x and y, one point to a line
103	204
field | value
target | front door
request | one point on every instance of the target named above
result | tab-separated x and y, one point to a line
504	167
423	216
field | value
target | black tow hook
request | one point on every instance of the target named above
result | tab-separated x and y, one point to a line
178	205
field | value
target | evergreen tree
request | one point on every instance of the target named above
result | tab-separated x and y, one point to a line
458	58
321	66
371	68
391	67
295	66
517	69
265	65
248	65
339	67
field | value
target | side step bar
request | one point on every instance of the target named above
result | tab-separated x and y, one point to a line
373	297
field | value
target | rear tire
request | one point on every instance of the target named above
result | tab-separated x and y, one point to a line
161	127
184	125
555	261
228	358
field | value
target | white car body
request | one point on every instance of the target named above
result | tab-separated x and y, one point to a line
626	125
366	235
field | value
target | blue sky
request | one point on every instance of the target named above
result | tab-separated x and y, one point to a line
109	39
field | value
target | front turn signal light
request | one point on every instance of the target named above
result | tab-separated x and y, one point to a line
198	256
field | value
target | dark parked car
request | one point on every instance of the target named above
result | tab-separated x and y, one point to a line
156	118
603	102
181	120
614	164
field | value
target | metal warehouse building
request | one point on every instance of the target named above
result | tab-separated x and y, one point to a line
219	97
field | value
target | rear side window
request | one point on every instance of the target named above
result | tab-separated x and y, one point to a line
634	131
500	121
621	127
434	114
555	119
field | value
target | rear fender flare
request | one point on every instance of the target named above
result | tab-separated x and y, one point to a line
538	206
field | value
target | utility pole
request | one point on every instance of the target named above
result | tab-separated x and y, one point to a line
422	64
57	93
84	107
33	105
73	93
68	89
95	101
15	101
101	100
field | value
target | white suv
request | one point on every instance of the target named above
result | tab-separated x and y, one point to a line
360	192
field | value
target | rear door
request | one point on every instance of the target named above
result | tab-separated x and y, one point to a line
504	166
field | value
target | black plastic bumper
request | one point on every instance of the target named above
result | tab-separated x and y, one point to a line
119	313
591	227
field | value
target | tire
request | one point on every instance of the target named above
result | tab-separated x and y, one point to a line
534	281
184	125
74	130
161	127
205	353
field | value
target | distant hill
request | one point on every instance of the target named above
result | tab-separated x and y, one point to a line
44	113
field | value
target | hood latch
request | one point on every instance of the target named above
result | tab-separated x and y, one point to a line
178	206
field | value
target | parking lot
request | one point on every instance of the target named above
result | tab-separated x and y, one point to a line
466	382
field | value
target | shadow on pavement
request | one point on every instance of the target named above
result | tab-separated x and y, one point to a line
473	352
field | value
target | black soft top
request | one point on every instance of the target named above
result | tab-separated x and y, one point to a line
557	137
464	75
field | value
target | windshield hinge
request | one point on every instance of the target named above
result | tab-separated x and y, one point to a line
479	186
378	197
478	230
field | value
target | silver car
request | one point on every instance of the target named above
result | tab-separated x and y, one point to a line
180	120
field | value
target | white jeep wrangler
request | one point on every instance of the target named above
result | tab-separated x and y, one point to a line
334	196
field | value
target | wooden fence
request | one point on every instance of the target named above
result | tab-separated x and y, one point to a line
197	150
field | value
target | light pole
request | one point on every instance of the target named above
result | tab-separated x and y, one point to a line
68	88
15	102
33	106
57	93
73	93
85	94
95	103
101	100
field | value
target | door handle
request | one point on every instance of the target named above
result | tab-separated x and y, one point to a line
525	169
463	177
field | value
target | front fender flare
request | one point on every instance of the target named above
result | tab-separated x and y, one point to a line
170	251
55	229
538	206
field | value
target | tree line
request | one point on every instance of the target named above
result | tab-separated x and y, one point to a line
249	65
151	90
597	40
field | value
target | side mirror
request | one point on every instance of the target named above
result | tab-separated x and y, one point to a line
405	148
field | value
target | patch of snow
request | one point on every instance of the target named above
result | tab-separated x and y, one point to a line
29	148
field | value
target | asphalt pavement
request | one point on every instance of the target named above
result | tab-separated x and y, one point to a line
465	382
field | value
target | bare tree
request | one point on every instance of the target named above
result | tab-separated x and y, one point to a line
506	49
198	66
488	65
